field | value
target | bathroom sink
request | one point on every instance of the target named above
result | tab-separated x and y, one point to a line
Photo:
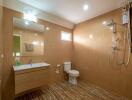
30	66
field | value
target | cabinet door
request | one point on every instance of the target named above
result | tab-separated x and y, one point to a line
30	80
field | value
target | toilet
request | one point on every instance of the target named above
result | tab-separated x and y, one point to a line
73	74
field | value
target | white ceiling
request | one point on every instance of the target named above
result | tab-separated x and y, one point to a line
71	10
21	7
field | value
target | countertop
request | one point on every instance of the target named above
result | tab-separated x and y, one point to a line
30	66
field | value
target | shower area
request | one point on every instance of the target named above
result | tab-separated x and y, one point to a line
121	48
108	54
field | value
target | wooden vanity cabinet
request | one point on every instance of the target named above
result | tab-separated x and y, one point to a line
29	79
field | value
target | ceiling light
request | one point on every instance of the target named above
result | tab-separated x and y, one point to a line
85	7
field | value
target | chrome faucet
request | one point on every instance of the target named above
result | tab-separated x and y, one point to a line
30	61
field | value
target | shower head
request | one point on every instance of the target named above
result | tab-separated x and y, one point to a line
110	23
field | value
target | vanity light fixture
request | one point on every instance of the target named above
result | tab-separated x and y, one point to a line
30	17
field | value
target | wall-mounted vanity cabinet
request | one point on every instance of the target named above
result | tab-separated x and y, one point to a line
29	77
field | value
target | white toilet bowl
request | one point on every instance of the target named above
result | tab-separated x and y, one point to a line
73	74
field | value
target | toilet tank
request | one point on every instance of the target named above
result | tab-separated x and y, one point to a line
67	66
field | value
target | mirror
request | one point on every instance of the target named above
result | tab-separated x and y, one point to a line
131	26
28	38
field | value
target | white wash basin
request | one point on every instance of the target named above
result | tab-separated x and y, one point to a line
30	66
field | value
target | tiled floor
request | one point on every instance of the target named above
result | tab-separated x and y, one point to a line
66	91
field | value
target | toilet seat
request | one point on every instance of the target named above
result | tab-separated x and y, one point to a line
74	72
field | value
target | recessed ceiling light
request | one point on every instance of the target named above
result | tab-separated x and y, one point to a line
85	7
